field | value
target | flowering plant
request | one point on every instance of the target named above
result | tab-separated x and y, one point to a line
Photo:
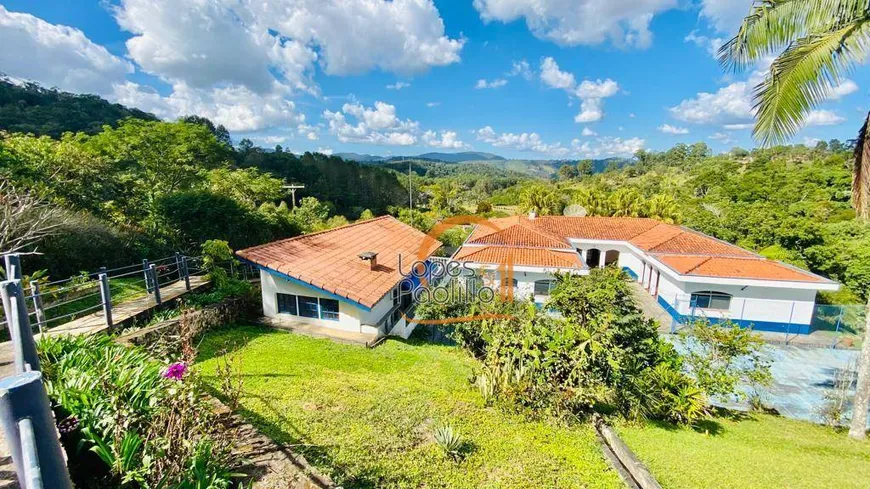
175	371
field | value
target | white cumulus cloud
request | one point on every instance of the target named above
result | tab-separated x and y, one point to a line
204	43
56	55
236	107
532	142
588	132
497	83
669	129
846	87
591	93
398	85
624	23
379	124
446	140
725	15
823	118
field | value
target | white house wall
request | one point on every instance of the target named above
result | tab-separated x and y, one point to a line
350	318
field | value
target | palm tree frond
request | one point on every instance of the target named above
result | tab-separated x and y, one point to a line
803	76
861	173
773	24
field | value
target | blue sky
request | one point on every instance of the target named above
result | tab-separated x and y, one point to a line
531	79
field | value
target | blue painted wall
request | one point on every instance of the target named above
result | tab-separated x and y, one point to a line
790	328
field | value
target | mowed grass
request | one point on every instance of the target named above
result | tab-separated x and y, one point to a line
750	451
366	417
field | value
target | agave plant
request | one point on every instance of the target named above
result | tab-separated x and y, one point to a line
449	440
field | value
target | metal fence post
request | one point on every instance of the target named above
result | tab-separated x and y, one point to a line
178	264
18	321
37	305
30	432
185	272
13	266
155	286
147	271
106	295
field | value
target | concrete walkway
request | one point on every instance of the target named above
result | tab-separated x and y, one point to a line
90	324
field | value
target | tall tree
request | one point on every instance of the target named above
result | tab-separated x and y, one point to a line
816	42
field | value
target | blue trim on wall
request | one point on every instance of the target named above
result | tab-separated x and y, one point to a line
307	285
630	272
772	326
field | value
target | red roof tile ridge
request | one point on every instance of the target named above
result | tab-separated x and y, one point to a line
720	241
317	233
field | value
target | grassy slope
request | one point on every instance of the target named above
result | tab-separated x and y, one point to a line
366	416
760	451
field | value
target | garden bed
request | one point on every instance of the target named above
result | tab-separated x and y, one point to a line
750	451
367	417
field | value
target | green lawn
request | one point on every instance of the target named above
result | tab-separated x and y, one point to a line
366	417
758	451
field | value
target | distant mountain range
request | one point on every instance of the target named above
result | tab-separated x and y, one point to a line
445	157
535	168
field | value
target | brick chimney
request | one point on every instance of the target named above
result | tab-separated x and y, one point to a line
371	257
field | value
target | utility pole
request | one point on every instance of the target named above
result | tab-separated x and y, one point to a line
292	189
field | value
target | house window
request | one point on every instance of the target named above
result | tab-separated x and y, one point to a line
308	307
329	309
711	300
508	283
543	287
287	304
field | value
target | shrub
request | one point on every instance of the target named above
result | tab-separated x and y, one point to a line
151	426
599	354
723	357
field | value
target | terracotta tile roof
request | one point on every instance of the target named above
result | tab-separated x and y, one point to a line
733	267
698	244
604	228
517	232
329	259
519	256
687	251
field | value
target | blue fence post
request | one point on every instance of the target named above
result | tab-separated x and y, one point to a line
13	266
178	265
106	296
30	433
36	295
147	269
18	321
155	286
185	272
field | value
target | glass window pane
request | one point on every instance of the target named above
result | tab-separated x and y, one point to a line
308	307
720	302
701	300
329	309
543	287
287	304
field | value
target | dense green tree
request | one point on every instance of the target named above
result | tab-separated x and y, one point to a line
31	109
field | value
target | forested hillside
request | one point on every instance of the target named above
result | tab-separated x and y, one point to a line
33	109
112	185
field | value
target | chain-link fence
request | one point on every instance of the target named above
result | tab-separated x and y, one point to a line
791	322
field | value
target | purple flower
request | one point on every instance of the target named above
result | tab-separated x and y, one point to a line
175	371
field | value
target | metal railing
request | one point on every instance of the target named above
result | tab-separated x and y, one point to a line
25	411
51	303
